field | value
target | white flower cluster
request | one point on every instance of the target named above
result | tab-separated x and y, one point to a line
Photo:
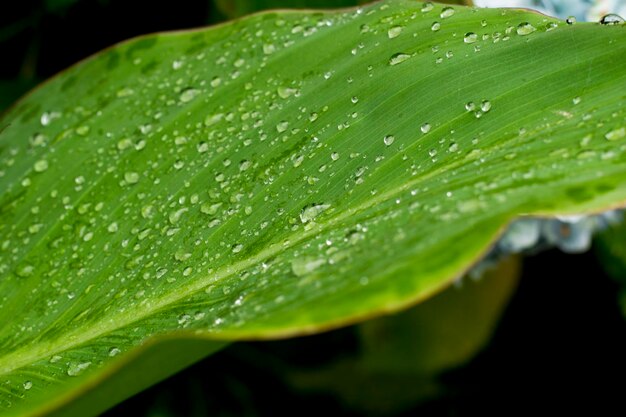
583	10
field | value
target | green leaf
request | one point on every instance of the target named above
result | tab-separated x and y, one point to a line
402	356
284	174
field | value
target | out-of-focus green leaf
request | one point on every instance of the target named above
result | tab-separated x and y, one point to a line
403	355
284	174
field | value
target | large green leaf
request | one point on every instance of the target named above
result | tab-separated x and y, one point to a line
284	174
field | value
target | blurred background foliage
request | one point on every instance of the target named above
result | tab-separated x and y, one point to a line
489	346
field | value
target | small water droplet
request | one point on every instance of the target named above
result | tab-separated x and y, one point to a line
485	106
446	12
525	28
388	140
454	147
570	20
114	351
236	248
427	7
425	128
470	37
576	100
334	156
435	26
398	58
470	106
27	385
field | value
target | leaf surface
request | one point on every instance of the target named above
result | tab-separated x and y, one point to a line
284	174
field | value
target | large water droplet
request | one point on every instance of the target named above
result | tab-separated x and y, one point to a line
525	28
616	134
446	12
612	19
75	369
394	32
425	128
398	58
310	212
305	265
41	165
470	37
388	140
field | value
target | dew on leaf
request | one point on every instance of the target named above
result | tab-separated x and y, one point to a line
282	126
470	37
388	140
394	32
398	58
525	28
41	165
310	212
425	128
131	177
27	385
446	12
76	368
435	26
302	266
612	19
616	134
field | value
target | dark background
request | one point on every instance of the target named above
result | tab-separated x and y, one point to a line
560	346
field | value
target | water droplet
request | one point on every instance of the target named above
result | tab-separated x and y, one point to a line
236	248
131	177
446	12
427	7
454	147
470	37
616	134
570	20
432	152
286	92
305	265
282	126
388	140
27	385
49	117
82	130
398	58
435	26
525	28
470	106
394	32
41	165
354	99
24	270
114	351
188	94
310	212
576	100
75	369
425	128
612	19
334	156
485	106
